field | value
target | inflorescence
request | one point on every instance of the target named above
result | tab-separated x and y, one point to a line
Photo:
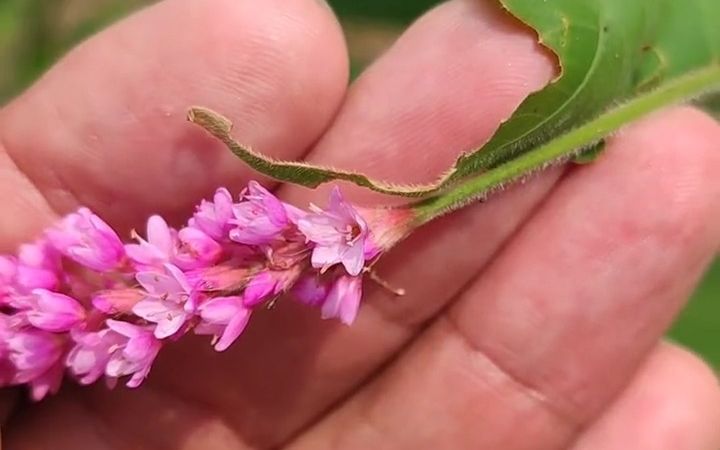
81	301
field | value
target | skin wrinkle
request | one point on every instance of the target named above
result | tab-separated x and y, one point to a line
75	409
28	182
188	406
51	180
203	406
116	441
526	388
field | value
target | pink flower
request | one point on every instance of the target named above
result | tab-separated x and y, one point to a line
343	300
225	318
196	249
86	239
29	278
310	290
169	302
35	355
260	217
159	247
51	311
213	218
38	266
89	357
269	283
188	249
40	255
229	276
339	234
117	301
135	356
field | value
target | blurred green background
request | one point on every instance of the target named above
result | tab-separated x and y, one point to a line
34	33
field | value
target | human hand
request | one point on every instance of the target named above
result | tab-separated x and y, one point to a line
532	321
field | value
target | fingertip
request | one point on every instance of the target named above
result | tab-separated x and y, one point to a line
106	127
442	88
673	403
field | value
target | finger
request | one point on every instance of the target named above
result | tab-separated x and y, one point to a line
290	366
673	403
600	272
8	400
560	320
106	127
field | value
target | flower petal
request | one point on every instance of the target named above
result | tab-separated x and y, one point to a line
233	330
353	258
221	309
343	300
325	256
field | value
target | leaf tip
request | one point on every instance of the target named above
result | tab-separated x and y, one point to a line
213	122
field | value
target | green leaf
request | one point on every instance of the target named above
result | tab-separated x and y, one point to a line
290	171
609	52
566	146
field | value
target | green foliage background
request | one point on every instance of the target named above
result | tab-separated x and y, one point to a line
34	33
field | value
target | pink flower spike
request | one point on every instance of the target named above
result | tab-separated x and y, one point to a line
310	291
135	358
159	246
92	351
339	234
51	311
225	318
197	249
88	240
213	218
343	300
165	303
260	217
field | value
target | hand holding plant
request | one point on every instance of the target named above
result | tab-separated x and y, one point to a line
530	321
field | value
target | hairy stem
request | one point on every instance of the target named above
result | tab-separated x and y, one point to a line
569	144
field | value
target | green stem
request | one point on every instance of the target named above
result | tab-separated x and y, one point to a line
567	145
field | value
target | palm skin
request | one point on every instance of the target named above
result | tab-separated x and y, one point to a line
532	321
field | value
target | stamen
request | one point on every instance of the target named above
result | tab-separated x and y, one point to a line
271	304
398	292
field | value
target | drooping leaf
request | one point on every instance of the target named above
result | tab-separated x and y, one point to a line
609	52
290	171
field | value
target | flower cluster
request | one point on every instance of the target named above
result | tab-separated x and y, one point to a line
81	301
